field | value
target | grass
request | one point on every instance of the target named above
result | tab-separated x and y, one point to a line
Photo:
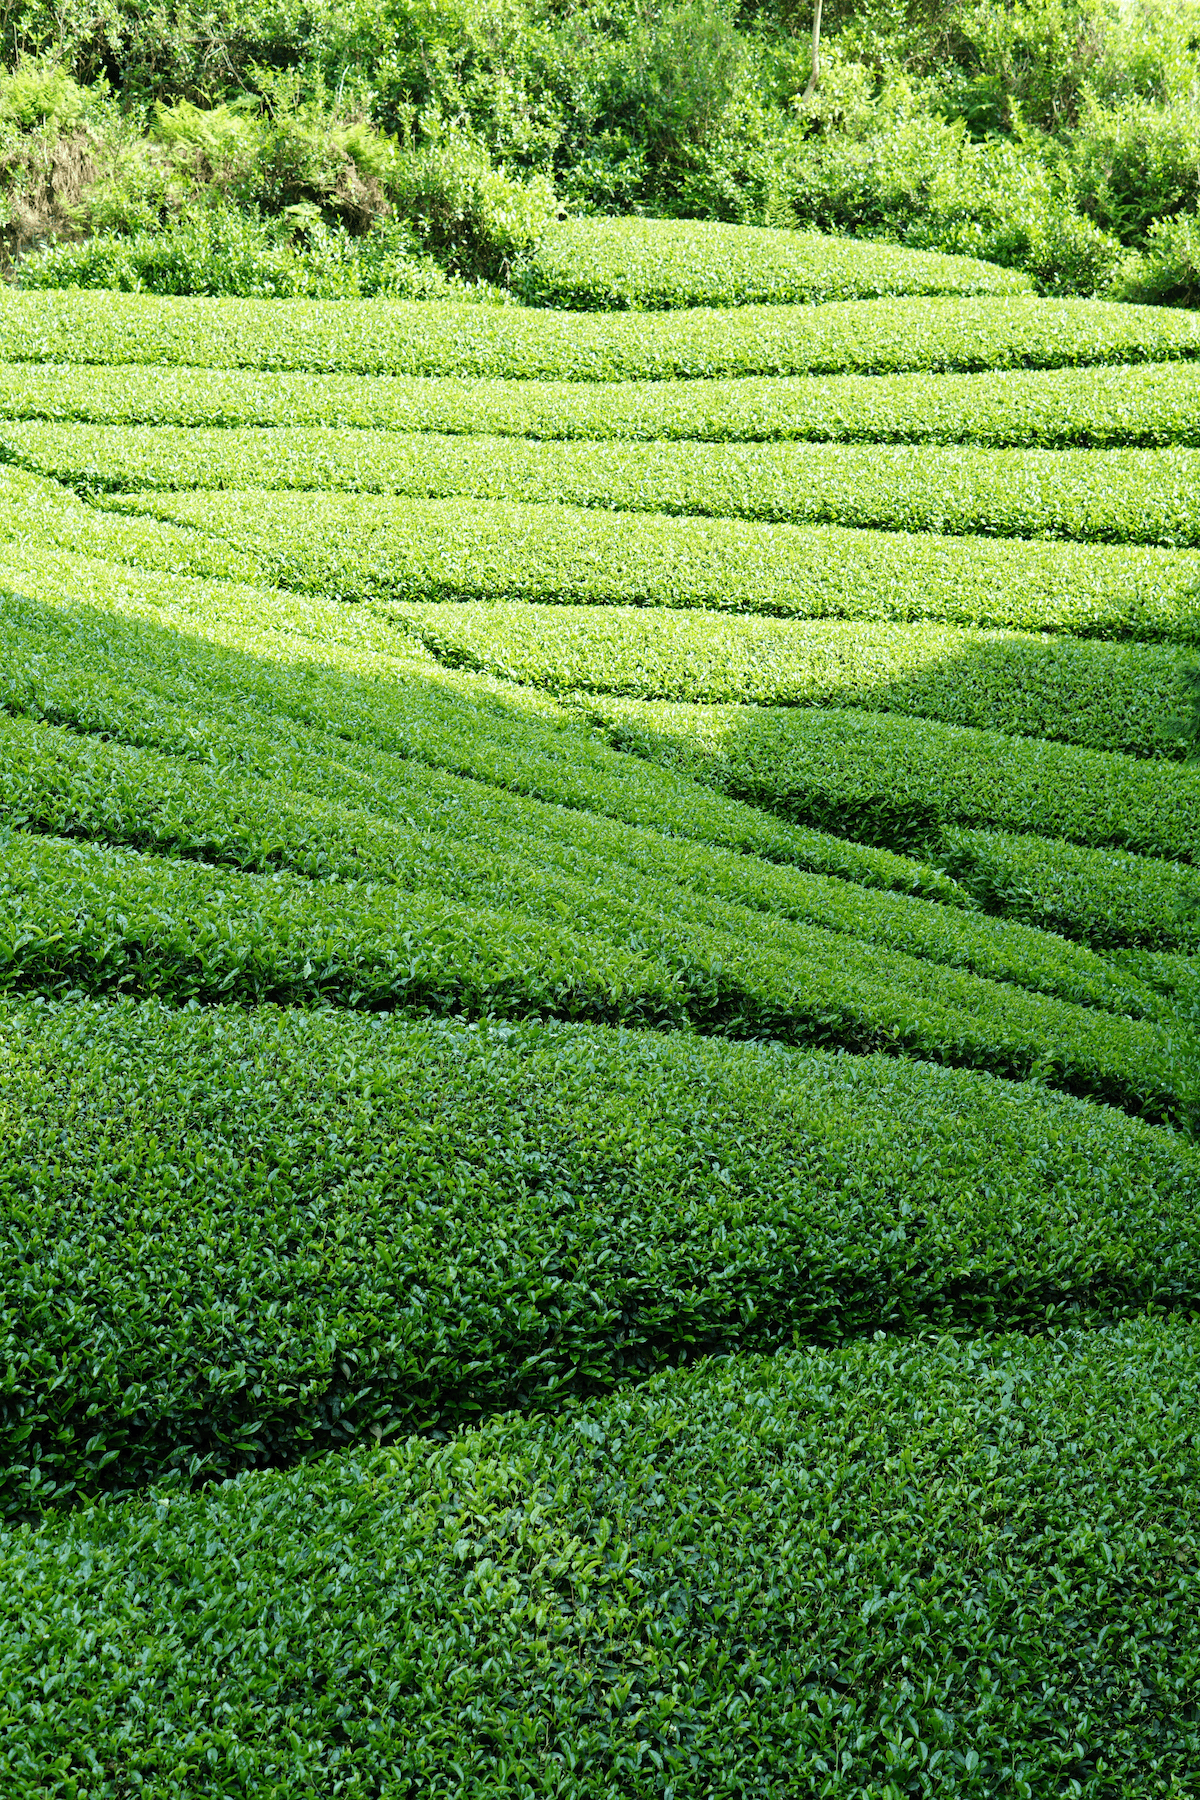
599	970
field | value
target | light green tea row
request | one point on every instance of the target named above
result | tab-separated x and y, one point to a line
1136	403
363	547
422	338
1107	696
1115	496
248	693
612	265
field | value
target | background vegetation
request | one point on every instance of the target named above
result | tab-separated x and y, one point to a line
291	146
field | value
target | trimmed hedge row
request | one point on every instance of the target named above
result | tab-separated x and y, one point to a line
361	547
613	265
40	519
79	919
606	1598
143	684
366	1226
1108	496
369	729
450	836
889	780
1106	696
1147	403
421	338
1106	898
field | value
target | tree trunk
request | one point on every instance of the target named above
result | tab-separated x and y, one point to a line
816	52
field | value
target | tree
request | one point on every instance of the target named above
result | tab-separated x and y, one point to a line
816	51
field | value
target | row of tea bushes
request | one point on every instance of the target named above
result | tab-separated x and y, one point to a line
256	701
1103	897
367	1225
886	779
82	918
404	338
1101	407
1107	496
41	519
328	822
1107	696
363	547
635	1578
369	729
613	265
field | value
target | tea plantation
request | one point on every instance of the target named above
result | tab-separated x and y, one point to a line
599	977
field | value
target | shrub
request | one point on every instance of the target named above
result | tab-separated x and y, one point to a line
227	251
614	264
1169	273
83	920
1104	897
41	94
324	820
464	1219
895	781
873	337
1113	496
921	181
1105	696
474	218
365	548
925	1479
148	679
1136	164
1128	404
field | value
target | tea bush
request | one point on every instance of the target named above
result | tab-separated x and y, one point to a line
369	1226
1115	496
1106	406
896	781
873	336
573	1572
1102	695
360	547
613	265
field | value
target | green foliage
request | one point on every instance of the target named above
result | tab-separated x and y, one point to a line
82	920
264	706
872	337
339	826
1137	165
364	548
40	94
228	251
567	1579
1169	273
1113	496
900	782
1109	406
916	179
1103	695
370	1226
475	218
617	264
1044	136
1107	898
